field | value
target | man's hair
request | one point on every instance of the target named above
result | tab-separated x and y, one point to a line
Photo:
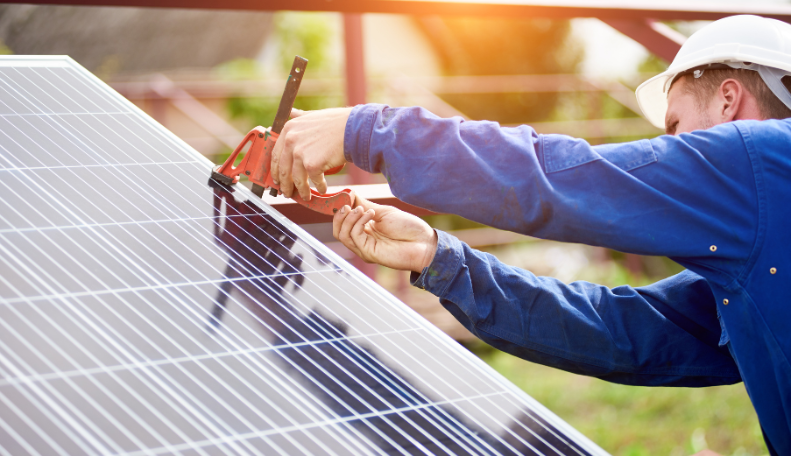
704	87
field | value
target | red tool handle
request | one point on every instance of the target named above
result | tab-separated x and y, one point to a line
325	203
256	165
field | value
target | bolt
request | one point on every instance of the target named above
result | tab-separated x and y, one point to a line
247	172
334	210
260	135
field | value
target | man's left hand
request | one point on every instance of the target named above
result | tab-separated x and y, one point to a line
385	235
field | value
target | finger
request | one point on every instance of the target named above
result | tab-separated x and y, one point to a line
297	112
366	205
359	235
346	228
337	221
300	177
320	182
285	165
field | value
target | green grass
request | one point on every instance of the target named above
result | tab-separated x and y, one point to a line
641	421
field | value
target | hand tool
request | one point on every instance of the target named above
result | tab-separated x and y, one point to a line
257	161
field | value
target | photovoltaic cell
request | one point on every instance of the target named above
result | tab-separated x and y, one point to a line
145	309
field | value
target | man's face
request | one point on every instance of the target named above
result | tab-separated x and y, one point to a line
684	113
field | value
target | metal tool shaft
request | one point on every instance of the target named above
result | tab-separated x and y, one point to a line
289	94
286	104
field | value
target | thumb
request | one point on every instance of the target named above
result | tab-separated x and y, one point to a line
360	201
297	113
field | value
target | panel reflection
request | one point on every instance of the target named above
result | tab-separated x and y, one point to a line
376	404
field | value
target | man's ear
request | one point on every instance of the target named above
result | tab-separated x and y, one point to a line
729	100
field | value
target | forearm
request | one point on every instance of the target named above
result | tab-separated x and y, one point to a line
633	197
623	335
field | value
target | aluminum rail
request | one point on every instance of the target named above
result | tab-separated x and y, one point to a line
376	193
556	9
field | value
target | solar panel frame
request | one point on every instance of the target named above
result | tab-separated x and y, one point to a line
425	406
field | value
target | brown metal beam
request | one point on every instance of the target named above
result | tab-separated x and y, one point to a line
206	87
376	193
657	37
558	9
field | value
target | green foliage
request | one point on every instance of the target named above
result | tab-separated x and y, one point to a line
652	65
641	421
239	70
261	111
306	35
5	50
493	46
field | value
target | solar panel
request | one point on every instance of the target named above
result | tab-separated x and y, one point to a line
145	309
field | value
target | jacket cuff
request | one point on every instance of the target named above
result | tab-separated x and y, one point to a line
438	276
357	136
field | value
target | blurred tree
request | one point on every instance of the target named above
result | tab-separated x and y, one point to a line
5	50
494	46
111	40
305	34
652	65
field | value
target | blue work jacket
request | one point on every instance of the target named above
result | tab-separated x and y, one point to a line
716	201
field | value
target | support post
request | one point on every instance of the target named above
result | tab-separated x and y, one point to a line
658	38
355	95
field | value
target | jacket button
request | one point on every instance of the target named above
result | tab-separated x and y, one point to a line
725	301
773	271
713	248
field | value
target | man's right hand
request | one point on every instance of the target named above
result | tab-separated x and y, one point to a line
310	144
385	235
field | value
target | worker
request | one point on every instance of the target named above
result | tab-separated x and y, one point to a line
713	194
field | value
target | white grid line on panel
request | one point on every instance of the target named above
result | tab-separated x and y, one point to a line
355	284
68	403
9	380
112	341
56	114
32	424
113	291
321	424
405	435
67	357
108	165
53	397
62	228
515	435
197	415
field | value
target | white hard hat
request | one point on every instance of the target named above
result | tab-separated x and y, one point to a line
749	42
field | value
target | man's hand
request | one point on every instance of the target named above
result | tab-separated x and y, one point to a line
310	144
385	235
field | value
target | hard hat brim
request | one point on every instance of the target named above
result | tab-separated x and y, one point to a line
651	95
652	99
742	39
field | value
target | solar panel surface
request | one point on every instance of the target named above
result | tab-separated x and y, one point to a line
145	309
